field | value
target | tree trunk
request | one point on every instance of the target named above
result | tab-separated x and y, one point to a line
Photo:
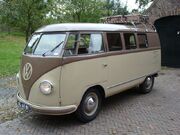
29	25
74	18
78	16
28	31
27	35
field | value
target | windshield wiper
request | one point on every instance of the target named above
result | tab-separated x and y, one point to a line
52	50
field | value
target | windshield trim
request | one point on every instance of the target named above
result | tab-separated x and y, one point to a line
29	42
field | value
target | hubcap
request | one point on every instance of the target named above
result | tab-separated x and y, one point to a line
91	104
148	83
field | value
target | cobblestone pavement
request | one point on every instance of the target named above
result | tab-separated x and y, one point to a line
128	113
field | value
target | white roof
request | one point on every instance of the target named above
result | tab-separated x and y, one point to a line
87	27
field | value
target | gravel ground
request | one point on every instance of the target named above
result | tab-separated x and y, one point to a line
8	107
127	113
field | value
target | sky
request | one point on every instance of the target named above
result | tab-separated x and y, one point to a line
130	4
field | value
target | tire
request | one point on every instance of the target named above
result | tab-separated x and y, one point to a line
147	85
90	106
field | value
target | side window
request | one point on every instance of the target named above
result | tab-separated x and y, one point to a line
71	45
114	41
143	42
130	41
84	44
90	44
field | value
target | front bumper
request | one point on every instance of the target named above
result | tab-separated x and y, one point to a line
46	109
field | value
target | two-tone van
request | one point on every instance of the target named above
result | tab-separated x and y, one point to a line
68	68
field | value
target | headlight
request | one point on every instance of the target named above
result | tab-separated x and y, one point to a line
46	87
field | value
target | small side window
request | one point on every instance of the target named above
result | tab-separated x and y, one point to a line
71	45
84	44
143	42
130	41
90	44
114	41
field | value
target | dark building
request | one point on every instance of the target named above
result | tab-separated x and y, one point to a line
165	16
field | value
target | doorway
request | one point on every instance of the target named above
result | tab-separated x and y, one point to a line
168	29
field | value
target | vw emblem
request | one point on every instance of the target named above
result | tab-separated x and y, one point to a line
27	71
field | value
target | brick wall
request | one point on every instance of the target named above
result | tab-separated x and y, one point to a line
162	8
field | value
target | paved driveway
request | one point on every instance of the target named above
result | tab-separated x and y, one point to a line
128	113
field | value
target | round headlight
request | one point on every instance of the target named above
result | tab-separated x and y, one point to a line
46	87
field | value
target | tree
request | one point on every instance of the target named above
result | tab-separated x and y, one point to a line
109	5
28	15
119	9
87	10
24	14
6	14
114	7
79	10
143	3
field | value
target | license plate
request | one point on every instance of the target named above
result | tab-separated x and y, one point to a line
24	106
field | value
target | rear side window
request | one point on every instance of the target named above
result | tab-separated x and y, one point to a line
143	42
90	44
114	41
130	41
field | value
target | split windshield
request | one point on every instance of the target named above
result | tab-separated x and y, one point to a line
45	44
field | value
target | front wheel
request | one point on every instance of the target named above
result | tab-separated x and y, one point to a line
89	106
147	85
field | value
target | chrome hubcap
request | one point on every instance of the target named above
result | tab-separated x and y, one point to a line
91	104
148	83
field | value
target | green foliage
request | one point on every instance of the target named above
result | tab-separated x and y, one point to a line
86	10
143	3
114	7
27	15
11	47
77	10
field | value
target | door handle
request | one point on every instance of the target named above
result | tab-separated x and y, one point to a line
105	65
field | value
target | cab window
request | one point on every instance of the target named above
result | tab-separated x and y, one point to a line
90	44
71	45
130	41
114	41
45	44
143	42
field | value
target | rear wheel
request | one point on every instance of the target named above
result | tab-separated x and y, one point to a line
147	85
89	106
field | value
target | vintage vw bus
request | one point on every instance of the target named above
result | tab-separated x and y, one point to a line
70	68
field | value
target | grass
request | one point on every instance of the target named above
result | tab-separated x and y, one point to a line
11	47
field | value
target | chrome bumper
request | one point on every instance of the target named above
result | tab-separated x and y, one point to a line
62	110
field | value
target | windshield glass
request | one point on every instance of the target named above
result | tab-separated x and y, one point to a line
49	44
